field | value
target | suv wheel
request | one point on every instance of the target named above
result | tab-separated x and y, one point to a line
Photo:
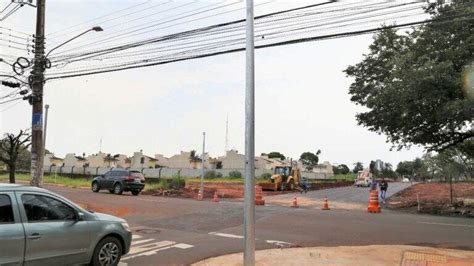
107	252
118	189
95	186
135	192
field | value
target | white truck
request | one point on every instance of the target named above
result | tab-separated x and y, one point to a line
364	178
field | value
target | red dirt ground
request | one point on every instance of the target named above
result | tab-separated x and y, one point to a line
434	198
234	190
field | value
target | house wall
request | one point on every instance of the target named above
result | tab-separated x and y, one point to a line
71	160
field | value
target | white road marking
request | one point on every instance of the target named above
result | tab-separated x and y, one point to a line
461	225
148	247
150	252
226	235
134	243
183	246
278	243
136	237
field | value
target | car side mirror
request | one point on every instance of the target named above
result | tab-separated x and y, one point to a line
80	216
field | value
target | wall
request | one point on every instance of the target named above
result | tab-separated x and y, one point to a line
163	172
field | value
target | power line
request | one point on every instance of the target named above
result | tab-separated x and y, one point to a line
120	34
166	38
295	41
85	22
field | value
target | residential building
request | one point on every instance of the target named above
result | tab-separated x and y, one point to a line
51	160
139	160
232	160
72	160
123	161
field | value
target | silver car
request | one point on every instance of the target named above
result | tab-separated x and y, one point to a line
39	227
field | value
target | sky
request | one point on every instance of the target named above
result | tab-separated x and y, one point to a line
302	101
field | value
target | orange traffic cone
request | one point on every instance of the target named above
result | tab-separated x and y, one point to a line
258	196
199	196
374	202
294	204
216	197
325	205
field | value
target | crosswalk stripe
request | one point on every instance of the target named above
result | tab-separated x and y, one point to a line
134	243
136	237
148	247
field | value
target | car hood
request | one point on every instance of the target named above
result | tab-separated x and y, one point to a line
106	217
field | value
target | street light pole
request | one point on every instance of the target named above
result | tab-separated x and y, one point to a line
201	189
37	81
249	206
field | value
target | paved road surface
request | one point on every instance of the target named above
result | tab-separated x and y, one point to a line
183	231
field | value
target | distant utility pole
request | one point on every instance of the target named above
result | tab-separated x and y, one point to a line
249	204
36	83
201	189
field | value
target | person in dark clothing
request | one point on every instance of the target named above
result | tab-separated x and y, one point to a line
383	189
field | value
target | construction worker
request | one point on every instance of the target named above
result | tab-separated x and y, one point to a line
383	189
304	185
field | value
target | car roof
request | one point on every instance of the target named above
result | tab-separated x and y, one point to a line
19	187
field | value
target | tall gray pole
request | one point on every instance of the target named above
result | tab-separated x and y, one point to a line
37	78
202	162
249	206
46	107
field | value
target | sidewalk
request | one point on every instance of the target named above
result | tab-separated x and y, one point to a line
374	255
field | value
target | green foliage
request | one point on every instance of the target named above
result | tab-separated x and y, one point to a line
309	159
341	169
347	177
212	175
266	176
275	154
235	174
412	83
358	167
175	183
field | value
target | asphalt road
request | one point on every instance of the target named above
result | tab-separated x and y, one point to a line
183	231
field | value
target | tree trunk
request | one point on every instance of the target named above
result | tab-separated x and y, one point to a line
11	171
451	190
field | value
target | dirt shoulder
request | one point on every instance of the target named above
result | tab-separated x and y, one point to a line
364	255
434	198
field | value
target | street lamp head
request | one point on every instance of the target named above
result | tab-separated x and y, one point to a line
97	28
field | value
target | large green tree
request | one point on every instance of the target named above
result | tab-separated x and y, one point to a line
309	159
412	83
277	155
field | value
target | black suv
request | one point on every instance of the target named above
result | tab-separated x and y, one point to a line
118	181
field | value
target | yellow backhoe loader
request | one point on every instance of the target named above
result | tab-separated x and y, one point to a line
283	178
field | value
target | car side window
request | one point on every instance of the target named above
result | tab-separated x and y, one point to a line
41	208
6	210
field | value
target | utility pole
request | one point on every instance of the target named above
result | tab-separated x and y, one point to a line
201	189
36	83
249	206
46	107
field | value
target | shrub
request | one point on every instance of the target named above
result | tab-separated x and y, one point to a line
266	176
235	174
212	175
173	183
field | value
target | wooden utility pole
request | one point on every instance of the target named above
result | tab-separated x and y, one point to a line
36	82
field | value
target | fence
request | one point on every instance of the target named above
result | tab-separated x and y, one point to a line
161	172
